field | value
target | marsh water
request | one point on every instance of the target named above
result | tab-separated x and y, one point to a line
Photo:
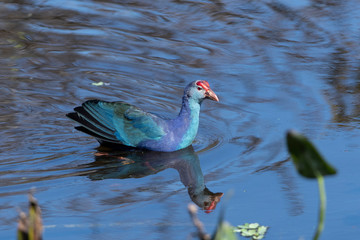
275	65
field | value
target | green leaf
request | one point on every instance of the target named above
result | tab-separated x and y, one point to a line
253	225
100	84
262	230
97	84
249	232
308	161
246	225
253	230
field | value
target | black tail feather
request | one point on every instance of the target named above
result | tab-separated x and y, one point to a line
90	107
91	126
84	114
101	139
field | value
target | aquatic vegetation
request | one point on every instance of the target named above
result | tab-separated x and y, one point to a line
30	226
101	83
307	160
310	164
253	230
224	230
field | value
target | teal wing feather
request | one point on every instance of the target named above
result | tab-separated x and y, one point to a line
131	124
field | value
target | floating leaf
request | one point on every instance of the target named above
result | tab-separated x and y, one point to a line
262	230
246	225
306	158
100	84
253	230
253	225
97	84
248	232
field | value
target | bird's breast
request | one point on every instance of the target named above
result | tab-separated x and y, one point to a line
189	131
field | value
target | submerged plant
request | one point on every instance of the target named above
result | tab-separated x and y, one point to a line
310	164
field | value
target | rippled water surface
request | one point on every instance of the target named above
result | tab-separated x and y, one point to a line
275	65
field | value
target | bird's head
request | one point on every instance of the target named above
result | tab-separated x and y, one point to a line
200	90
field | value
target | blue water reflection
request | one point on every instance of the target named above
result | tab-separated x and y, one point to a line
139	164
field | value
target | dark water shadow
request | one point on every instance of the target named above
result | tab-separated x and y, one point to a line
122	164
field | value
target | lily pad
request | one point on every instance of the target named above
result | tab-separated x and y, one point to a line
253	225
262	230
253	230
308	161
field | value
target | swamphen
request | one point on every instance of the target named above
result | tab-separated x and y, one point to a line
125	124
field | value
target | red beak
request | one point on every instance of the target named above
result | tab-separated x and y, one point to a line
211	95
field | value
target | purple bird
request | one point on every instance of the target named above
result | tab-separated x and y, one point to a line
120	123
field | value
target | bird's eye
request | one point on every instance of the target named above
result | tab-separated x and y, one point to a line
199	88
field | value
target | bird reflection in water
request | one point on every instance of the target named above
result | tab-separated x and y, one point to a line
138	164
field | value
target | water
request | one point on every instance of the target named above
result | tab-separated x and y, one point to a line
275	65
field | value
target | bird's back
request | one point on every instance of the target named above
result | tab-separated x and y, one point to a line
118	122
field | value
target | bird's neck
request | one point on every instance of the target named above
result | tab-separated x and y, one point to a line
189	117
190	108
190	172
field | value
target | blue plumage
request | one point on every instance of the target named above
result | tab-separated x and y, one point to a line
125	124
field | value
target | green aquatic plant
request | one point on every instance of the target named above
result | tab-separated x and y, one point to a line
253	230
100	84
307	160
225	231
30	227
310	164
